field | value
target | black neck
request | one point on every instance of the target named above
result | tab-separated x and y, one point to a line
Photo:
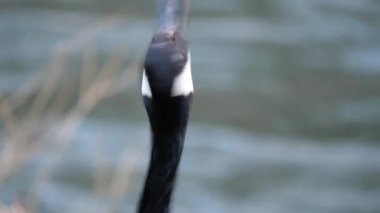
159	184
168	124
172	15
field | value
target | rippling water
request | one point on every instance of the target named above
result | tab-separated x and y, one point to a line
286	116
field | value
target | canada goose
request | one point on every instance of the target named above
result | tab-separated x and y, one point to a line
167	90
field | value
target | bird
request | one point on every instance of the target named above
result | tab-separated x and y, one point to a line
167	91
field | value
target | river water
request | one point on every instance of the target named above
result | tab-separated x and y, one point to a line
286	114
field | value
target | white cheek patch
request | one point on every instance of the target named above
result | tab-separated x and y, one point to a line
145	87
183	83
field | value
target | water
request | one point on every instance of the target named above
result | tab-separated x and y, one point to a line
286	116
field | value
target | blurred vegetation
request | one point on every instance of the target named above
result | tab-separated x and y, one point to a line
44	113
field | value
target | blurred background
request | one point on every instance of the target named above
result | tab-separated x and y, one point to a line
286	116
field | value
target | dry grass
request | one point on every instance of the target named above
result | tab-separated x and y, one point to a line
45	96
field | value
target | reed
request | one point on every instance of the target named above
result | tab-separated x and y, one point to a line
45	113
